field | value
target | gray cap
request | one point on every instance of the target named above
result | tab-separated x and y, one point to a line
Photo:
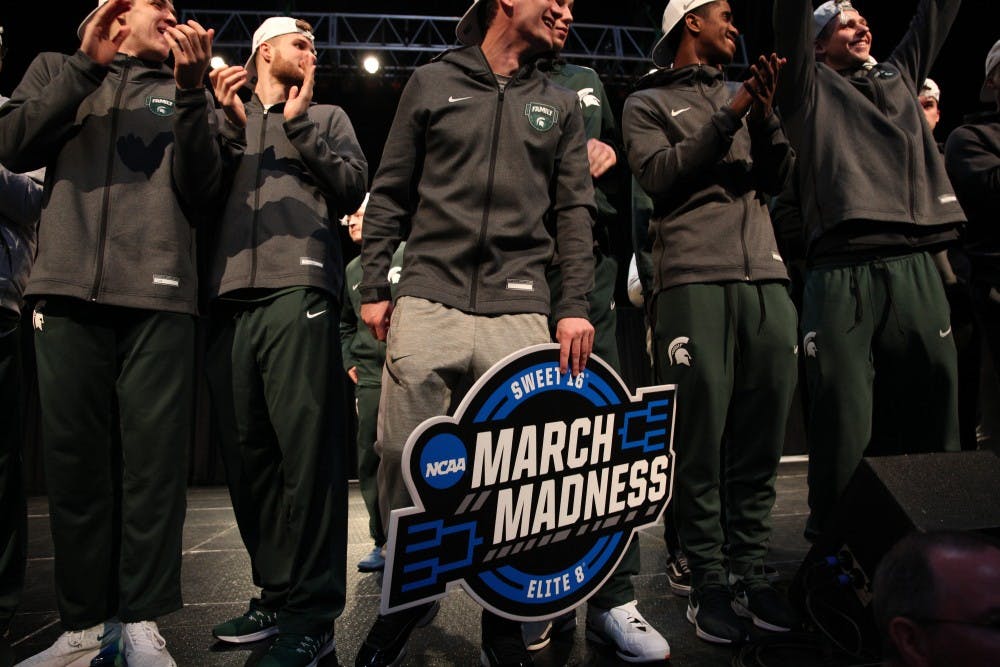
828	11
930	89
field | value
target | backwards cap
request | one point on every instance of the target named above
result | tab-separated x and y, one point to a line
988	94
269	29
828	11
86	20
930	89
675	10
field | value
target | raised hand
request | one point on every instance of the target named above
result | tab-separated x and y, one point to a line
226	82
763	83
97	42
191	45
299	98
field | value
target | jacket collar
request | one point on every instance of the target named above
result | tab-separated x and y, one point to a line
687	75
472	61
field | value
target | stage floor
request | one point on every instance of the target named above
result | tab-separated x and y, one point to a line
216	586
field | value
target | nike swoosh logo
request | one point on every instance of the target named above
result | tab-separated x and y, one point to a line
678	112
314	315
400	357
452	100
944	334
354	286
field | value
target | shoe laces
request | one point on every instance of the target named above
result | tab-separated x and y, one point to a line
682	563
260	617
306	644
146	634
633	617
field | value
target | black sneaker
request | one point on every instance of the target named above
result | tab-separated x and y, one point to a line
385	644
679	574
502	644
710	610
766	606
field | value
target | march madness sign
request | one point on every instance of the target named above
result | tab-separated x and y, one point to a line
530	494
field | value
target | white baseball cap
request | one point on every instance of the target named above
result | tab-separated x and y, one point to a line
827	11
269	29
988	94
675	10
930	89
469	31
83	24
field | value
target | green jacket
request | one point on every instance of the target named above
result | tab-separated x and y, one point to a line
360	349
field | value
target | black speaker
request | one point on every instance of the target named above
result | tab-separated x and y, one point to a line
887	498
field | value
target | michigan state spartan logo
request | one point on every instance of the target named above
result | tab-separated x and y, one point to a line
160	106
541	116
530	494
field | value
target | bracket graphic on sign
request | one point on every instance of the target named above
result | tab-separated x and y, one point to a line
530	494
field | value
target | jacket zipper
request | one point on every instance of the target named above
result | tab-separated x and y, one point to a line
746	210
256	201
102	232
881	104
489	191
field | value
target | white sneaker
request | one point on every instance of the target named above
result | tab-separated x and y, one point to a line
537	634
624	628
145	647
79	647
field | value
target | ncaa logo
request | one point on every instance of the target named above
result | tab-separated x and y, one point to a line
443	461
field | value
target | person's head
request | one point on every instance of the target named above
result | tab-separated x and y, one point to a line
701	31
937	600
530	23
283	47
991	84
930	101
843	39
355	220
147	20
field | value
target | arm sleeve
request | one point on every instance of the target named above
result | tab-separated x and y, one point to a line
41	113
919	48
333	156
772	154
200	153
394	194
974	169
20	200
574	210
794	40
660	165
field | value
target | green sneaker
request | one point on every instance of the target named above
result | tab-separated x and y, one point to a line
290	650
252	626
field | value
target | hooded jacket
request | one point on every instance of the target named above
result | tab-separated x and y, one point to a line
973	161
20	205
291	185
122	190
708	175
868	164
482	183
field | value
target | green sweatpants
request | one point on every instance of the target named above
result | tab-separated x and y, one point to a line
108	374
730	348
880	361
282	374
13	516
366	399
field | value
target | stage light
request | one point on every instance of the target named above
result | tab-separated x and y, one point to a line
217	62
371	64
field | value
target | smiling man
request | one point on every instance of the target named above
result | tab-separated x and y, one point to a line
127	145
710	154
484	172
876	203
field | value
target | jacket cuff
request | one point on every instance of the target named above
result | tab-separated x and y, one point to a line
573	308
727	121
375	294
297	124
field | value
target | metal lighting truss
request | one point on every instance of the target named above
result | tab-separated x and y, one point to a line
404	42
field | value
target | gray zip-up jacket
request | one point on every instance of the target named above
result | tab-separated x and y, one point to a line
865	152
20	205
709	175
113	227
292	184
972	157
482	184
